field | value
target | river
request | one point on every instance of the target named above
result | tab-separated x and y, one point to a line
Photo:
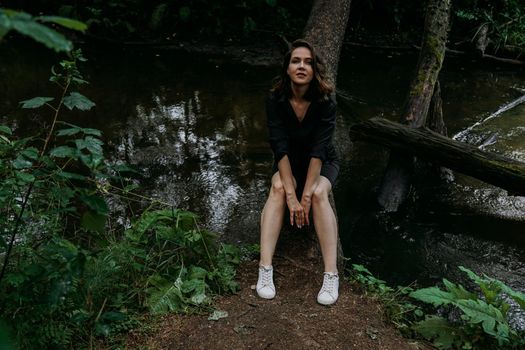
195	128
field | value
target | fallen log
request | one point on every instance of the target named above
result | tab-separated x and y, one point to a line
495	169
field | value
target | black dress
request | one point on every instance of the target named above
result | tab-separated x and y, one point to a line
303	140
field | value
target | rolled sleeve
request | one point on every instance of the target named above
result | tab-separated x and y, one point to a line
277	132
324	132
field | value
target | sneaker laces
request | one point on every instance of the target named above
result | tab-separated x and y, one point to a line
266	276
329	283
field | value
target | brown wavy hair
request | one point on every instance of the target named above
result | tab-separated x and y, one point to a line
320	87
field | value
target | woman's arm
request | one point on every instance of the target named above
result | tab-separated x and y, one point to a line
312	179
321	139
295	208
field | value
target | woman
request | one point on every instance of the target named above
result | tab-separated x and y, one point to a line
301	121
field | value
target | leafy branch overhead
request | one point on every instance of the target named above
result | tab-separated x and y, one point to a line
32	27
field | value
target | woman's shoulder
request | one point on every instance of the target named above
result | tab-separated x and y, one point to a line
327	102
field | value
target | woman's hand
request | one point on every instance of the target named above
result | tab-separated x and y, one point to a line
306	203
296	211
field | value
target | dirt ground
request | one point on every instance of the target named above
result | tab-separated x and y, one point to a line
293	320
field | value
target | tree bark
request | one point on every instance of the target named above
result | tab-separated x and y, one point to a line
506	173
435	113
396	182
325	30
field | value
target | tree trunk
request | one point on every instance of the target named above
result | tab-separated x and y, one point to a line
435	114
325	29
396	182
506	173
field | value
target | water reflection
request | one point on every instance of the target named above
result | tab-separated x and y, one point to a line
202	151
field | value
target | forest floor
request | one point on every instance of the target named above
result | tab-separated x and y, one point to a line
293	320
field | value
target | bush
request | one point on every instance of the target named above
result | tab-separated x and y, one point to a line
66	279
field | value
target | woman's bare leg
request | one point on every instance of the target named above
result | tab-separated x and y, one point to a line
272	220
325	224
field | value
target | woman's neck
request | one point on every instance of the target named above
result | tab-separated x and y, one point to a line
298	91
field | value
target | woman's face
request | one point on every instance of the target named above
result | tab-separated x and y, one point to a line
300	68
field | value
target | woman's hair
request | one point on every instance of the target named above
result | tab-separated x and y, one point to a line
320	87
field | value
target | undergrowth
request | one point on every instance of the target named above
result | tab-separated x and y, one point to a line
68	279
460	318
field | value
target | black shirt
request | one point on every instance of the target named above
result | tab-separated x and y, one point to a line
301	140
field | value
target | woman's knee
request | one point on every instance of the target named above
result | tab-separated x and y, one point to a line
277	190
320	194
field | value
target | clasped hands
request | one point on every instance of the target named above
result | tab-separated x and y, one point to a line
299	211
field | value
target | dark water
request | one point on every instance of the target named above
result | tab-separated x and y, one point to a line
195	127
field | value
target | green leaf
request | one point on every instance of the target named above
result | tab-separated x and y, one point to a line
458	290
69	131
5	130
168	299
96	203
76	100
80	316
25	177
114	316
489	287
102	329
31	153
130	188
47	36
149	218
59	288
436	328
71	176
64	152
21	163
192	285
92	144
478	311
64	22
73	130
184	13
124	168
217	315
90	131
93	221
15	279
36	102
271	3
198	298
515	295
5	24
361	268
434	296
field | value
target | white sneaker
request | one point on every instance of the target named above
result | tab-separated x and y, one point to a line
265	286
330	290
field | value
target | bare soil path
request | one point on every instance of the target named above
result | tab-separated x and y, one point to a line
293	320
